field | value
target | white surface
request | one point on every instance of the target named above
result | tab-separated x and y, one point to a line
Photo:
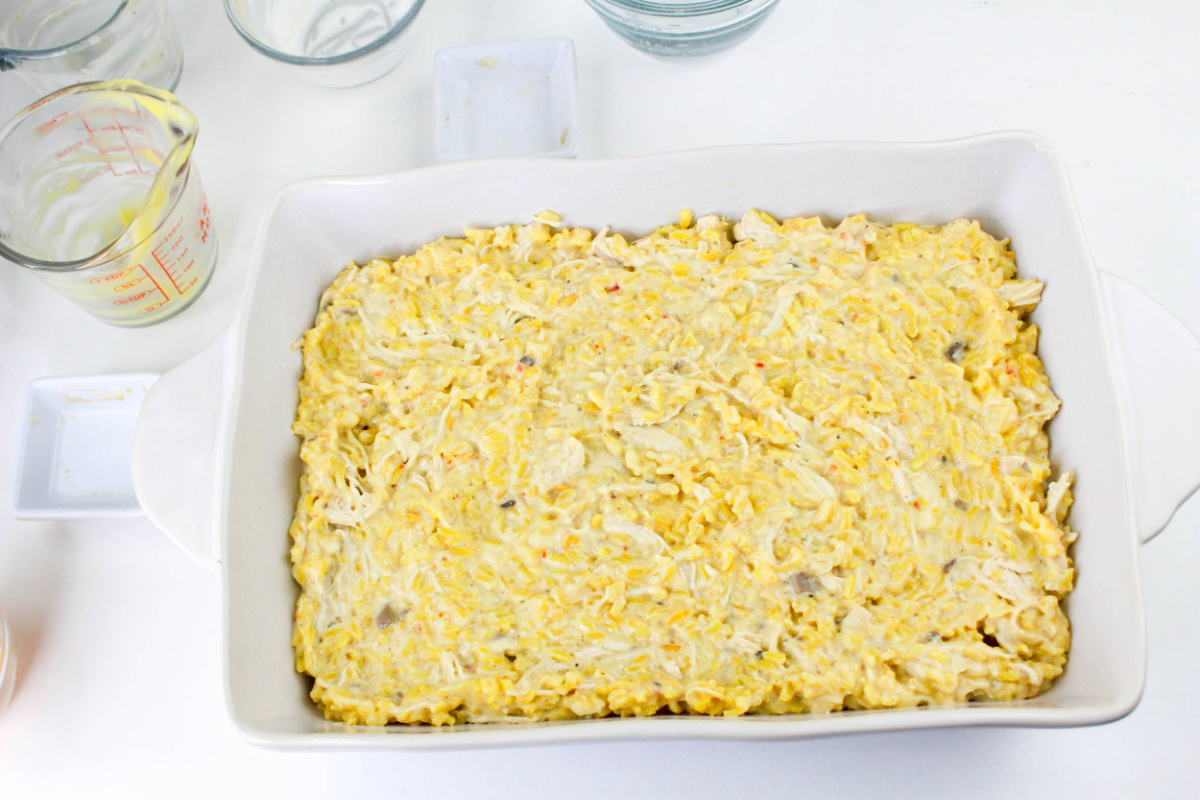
76	440
1012	181
118	632
506	99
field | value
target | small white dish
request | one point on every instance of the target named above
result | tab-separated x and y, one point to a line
76	445
507	99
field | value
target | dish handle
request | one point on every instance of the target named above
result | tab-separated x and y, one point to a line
175	449
1158	372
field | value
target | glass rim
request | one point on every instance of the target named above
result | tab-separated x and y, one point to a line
6	654
58	50
659	8
320	61
103	255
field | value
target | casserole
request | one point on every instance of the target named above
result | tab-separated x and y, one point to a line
224	484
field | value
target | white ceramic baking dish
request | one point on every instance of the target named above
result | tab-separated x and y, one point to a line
216	466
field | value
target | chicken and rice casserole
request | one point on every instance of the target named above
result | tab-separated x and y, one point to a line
731	467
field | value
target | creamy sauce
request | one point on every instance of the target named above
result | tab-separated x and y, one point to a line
764	467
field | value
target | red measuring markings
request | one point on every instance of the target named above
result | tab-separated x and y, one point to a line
188	268
116	276
124	147
125	138
178	274
50	123
122	301
205	222
164	253
66	151
128	285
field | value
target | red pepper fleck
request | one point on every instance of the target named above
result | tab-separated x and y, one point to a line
520	368
759	364
543	554
916	503
616	287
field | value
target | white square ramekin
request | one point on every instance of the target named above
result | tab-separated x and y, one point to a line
76	442
506	99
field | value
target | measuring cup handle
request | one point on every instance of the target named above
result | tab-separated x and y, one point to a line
175	450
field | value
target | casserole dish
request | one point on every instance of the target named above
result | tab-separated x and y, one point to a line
216	466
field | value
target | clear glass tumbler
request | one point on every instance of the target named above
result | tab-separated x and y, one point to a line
102	201
56	43
683	27
335	43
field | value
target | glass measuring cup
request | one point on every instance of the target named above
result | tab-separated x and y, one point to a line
101	200
56	43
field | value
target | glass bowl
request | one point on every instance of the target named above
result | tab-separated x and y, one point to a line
683	27
334	43
53	44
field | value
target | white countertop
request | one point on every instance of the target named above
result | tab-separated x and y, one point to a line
118	632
